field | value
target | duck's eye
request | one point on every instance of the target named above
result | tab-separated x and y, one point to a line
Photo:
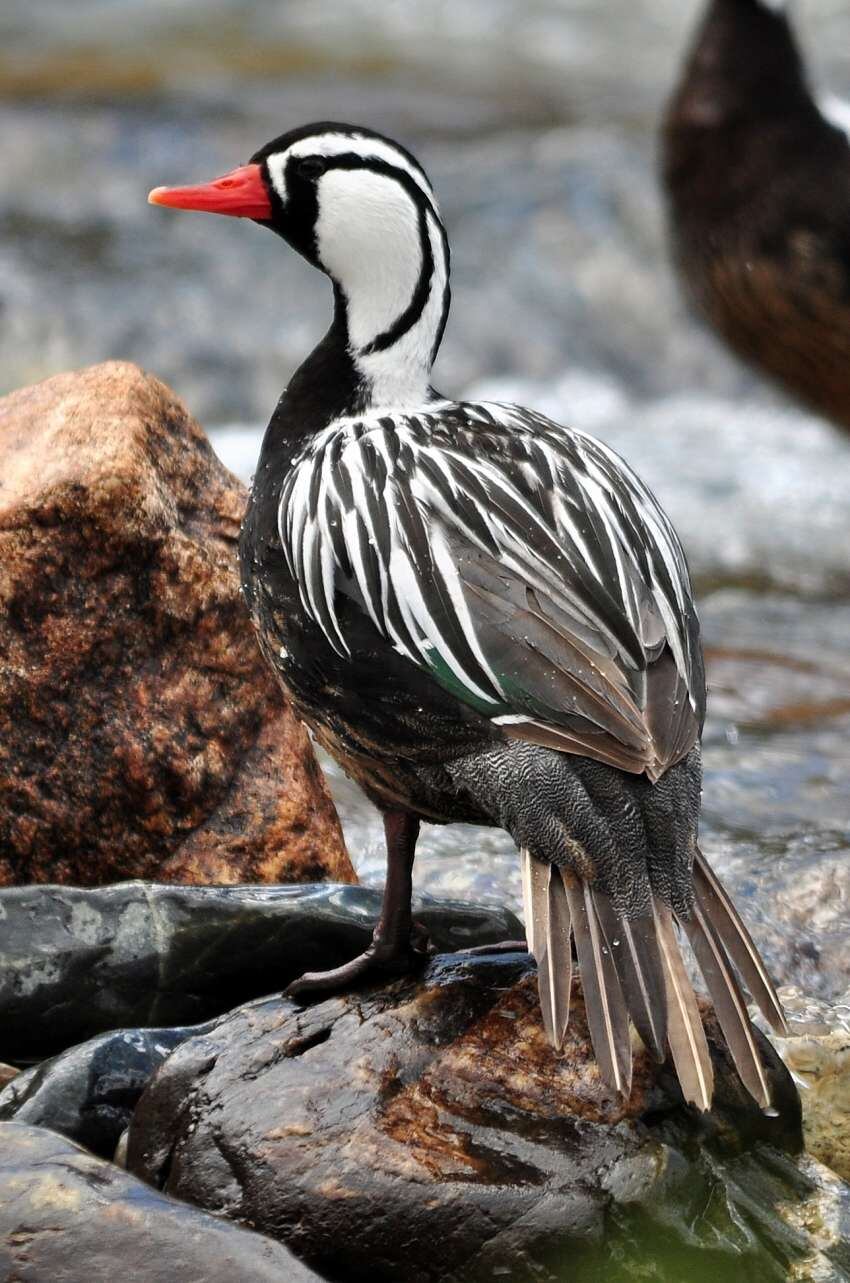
311	166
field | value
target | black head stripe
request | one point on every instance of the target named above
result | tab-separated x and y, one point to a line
321	128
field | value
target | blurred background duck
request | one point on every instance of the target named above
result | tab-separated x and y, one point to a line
757	180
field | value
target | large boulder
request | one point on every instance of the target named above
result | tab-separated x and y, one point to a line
76	961
66	1215
141	734
426	1131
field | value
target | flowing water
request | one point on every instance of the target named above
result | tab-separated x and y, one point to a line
536	121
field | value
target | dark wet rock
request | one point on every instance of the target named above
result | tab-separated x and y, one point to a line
75	962
426	1131
89	1092
66	1215
141	734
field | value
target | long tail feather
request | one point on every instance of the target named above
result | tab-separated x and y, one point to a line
685	1033
535	897
607	1016
719	910
525	874
729	1005
634	948
555	967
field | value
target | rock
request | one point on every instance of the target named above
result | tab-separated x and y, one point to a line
817	1052
89	1092
66	1215
426	1130
74	961
141	734
820	1214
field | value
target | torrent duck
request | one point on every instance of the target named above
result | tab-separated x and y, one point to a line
484	617
758	190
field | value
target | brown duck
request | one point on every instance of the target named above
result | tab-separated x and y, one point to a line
758	189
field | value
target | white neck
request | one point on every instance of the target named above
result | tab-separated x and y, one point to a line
371	239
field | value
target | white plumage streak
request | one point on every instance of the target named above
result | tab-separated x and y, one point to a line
415	612
448	569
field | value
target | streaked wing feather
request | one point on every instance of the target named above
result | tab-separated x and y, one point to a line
525	873
533	652
669	717
523	565
585	743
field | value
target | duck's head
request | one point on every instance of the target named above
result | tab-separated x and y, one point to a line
360	208
745	65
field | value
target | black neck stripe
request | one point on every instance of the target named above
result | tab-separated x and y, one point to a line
419	299
412	313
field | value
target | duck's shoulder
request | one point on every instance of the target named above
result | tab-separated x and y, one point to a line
485	433
487	458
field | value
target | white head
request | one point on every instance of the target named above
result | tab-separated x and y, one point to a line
360	208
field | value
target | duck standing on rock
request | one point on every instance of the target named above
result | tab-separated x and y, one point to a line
486	618
758	190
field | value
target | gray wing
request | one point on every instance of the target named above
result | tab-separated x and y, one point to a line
523	565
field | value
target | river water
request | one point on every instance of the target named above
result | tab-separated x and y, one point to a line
536	122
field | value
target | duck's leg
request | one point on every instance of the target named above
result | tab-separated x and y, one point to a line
398	944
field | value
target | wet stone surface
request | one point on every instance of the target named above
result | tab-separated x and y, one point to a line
66	1215
88	1093
428	1131
74	961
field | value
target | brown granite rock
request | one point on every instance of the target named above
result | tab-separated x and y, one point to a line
140	732
427	1131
